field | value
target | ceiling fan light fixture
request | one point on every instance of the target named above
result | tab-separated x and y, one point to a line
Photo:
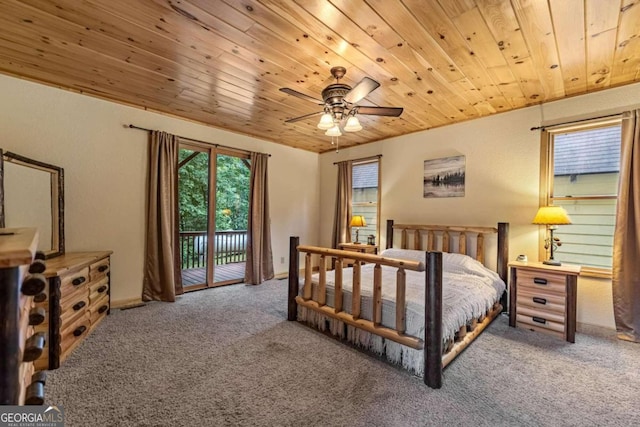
353	124
334	131
326	122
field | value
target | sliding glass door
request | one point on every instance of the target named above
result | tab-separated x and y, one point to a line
213	194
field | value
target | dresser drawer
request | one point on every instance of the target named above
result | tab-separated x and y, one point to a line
99	309
76	331
99	269
98	290
69	283
547	282
543	301
72	309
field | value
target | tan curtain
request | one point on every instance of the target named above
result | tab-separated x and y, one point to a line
259	265
342	217
626	239
162	281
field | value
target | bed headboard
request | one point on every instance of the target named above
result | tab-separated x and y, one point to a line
452	238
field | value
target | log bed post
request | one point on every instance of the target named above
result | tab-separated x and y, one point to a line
294	271
503	260
433	321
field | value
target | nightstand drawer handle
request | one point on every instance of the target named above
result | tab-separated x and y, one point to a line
79	306
539	281
539	320
78	281
103	309
101	289
103	268
539	300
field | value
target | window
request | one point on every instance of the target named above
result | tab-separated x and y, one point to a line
365	199
583	167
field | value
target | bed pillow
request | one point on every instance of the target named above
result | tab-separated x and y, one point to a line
407	254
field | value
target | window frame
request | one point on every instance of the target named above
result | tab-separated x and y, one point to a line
547	175
360	162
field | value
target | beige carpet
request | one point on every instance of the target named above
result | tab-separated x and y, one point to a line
228	357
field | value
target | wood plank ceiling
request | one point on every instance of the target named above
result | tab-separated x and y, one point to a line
222	62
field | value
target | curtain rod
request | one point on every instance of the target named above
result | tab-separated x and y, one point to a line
191	139
377	156
576	121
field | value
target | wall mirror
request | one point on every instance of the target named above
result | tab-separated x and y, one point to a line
32	195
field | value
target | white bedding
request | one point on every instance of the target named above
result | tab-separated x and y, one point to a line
469	290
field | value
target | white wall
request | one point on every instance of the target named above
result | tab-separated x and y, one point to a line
105	167
502	178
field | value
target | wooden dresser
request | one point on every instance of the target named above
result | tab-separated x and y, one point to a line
77	298
543	298
20	344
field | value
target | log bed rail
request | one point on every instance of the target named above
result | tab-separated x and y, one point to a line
437	354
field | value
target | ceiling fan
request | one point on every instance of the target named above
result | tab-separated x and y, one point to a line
339	101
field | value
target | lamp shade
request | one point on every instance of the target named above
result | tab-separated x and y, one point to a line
353	124
358	221
552	215
334	131
326	122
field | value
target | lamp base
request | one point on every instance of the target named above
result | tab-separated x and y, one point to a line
552	262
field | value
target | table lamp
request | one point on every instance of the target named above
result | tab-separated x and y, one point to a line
551	216
358	221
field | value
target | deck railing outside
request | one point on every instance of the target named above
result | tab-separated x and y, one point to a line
229	246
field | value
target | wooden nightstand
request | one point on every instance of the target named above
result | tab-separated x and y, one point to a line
543	298
357	247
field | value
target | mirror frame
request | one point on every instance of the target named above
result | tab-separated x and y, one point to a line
57	197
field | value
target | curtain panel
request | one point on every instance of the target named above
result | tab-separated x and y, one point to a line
162	280
259	266
342	217
626	240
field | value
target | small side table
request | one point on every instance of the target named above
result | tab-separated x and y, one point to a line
543	298
357	247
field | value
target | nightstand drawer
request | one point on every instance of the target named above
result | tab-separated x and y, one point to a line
541	301
542	281
541	317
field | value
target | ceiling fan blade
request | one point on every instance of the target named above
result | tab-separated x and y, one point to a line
362	89
306	116
380	111
301	95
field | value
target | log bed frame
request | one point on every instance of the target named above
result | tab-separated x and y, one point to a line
437	354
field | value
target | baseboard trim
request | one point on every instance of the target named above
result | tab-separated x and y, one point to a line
126	303
589	329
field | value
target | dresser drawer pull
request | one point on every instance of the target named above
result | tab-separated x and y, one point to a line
79	331
539	281
33	347
539	320
33	284
103	309
78	281
37	266
40	255
39	377
34	394
79	305
101	289
36	316
103	268
539	300
41	297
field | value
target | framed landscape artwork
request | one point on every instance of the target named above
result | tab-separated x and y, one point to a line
444	177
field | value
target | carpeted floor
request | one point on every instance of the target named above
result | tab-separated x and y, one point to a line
228	357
